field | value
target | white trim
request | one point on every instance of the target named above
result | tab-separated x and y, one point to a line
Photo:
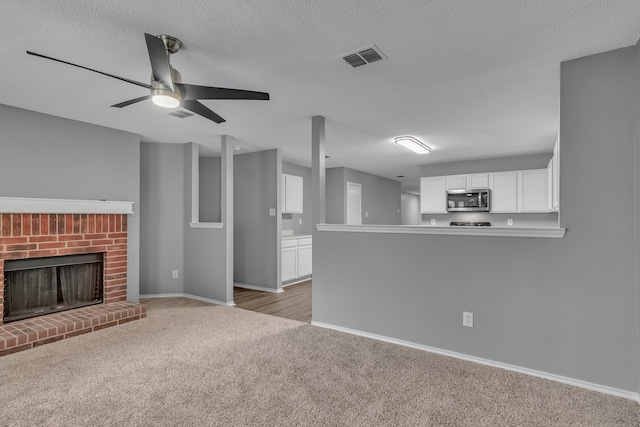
206	224
540	374
179	295
297	281
29	205
258	288
546	232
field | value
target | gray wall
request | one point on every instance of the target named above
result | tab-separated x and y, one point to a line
562	306
210	189
380	197
410	209
256	234
500	164
205	272
162	218
335	184
43	156
291	221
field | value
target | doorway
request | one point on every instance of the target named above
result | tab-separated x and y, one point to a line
354	203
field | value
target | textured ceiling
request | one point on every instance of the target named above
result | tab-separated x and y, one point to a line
473	79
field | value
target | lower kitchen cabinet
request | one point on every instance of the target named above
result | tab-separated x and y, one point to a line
289	260
296	258
305	252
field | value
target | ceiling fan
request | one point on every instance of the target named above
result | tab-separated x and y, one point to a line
166	88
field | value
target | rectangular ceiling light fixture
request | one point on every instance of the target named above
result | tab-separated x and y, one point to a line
413	144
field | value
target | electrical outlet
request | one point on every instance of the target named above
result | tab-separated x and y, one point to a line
467	319
300	221
366	214
174	274
433	221
509	221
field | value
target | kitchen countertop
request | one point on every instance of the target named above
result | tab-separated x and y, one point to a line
295	236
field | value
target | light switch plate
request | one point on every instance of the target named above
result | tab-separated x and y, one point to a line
272	211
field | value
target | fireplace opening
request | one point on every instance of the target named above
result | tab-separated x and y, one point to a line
38	286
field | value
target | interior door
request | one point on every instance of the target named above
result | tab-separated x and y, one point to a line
354	203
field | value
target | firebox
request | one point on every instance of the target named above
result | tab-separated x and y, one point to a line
38	286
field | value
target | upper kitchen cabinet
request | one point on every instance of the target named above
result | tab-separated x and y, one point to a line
464	182
292	192
478	180
555	205
433	194
504	192
532	191
457	182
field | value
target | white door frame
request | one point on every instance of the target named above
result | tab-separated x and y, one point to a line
354	210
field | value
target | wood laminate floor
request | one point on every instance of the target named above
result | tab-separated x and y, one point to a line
294	303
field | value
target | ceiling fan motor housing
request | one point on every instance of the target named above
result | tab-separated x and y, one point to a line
158	89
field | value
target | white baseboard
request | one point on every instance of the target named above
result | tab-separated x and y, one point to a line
304	279
178	295
258	288
540	374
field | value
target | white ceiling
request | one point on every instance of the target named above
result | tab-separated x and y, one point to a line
471	78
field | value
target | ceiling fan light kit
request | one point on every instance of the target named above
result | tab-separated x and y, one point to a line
413	144
166	88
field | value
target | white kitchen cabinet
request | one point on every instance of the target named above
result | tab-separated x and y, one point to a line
504	191
556	177
550	185
293	193
289	260
305	251
296	258
456	182
532	190
433	194
478	180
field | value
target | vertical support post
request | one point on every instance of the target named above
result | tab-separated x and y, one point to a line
318	173
226	193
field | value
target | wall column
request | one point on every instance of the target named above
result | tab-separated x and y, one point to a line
318	173
226	193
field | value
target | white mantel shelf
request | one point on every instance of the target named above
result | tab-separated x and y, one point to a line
544	232
63	206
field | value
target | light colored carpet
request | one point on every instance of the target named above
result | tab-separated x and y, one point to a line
196	364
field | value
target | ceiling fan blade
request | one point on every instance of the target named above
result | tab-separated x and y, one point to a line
200	109
159	61
91	69
206	92
131	101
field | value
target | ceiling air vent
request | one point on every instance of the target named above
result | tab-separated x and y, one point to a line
363	56
180	114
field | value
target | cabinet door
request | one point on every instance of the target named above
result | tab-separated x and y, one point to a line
304	260
550	185
433	195
478	180
289	263
293	194
456	182
556	176
504	192
532	190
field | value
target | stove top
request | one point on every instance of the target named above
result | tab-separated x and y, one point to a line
469	224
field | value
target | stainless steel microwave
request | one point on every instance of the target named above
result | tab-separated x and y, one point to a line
476	200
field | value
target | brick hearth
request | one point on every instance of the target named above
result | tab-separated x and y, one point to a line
44	235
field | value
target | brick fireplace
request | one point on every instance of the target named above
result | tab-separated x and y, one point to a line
35	235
